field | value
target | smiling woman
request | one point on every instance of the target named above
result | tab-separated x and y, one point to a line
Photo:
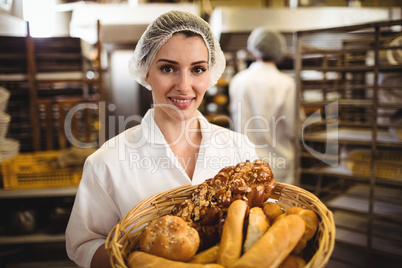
177	58
179	77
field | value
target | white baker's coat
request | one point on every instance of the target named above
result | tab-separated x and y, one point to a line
263	107
134	165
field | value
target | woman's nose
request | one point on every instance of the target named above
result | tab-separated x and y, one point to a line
183	82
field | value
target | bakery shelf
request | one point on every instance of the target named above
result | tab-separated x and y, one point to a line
341	102
351	68
352	229
342	172
358	136
35	238
382	210
354	75
38	193
379	245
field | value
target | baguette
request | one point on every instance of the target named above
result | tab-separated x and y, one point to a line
275	245
207	256
257	226
139	259
232	233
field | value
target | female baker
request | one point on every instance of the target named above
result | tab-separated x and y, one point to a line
177	58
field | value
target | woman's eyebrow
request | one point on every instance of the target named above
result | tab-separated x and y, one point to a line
175	62
168	61
200	62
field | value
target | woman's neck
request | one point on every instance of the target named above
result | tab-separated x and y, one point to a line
177	130
184	138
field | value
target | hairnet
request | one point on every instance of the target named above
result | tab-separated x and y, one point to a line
160	30
267	44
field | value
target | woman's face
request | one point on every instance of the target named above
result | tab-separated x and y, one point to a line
179	77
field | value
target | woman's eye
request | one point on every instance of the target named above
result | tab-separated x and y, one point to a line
167	69
199	69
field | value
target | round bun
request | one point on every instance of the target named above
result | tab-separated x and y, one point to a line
309	217
272	211
311	222
170	237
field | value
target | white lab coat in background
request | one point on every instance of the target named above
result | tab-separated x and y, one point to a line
262	106
134	165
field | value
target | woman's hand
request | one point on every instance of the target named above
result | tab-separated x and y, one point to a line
101	258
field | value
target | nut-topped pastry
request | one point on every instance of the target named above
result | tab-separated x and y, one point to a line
205	209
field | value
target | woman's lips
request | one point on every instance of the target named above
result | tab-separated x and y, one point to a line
181	103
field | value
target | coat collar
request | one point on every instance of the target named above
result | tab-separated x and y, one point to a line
153	134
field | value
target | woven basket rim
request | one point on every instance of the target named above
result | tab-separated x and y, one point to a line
124	235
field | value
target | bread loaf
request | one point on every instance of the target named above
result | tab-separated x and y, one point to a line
257	226
232	234
139	259
170	237
275	245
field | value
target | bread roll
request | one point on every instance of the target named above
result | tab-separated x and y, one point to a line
139	259
272	211
311	221
257	226
275	245
170	237
293	261
209	255
232	234
309	217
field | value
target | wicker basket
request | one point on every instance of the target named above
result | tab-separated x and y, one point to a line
125	235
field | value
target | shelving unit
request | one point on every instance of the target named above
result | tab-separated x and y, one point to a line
215	104
350	79
50	196
45	75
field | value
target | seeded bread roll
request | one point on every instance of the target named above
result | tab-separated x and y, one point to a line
170	237
257	226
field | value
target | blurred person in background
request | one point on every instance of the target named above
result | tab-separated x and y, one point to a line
263	104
